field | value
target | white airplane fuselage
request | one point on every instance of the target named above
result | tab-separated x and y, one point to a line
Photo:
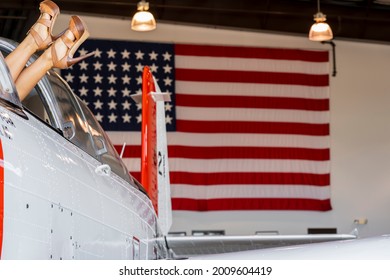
59	202
52	194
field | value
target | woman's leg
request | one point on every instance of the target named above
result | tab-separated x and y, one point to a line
30	76
38	38
59	55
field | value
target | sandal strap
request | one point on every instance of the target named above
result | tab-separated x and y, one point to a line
37	37
45	21
68	42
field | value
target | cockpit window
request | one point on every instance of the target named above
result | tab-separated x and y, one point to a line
105	151
81	128
35	104
7	87
72	120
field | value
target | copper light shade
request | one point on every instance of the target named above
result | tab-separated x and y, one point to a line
320	30
143	20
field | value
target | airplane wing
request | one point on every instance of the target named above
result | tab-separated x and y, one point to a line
371	248
188	246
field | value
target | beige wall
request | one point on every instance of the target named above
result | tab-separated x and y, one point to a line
360	131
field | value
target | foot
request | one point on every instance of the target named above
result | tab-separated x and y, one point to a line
60	49
65	47
41	31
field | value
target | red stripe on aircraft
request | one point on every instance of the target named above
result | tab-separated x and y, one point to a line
149	138
1	197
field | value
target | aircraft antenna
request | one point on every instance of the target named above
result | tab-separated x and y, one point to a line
123	149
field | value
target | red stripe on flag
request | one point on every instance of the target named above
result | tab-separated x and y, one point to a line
210	179
136	175
214	101
249	178
251	52
227	76
193	152
248	153
131	151
252	127
250	204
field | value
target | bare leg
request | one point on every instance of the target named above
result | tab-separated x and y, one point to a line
17	59
39	37
30	76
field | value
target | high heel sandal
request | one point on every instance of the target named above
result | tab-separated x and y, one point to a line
50	8
80	33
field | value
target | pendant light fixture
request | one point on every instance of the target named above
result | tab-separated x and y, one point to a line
320	30
143	20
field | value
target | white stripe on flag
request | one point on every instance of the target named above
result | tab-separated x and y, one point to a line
249	89
240	165
252	115
250	191
229	140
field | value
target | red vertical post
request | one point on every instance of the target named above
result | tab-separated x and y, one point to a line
149	138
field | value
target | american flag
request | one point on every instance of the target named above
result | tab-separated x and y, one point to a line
248	128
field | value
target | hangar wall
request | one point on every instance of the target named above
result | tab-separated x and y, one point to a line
360	131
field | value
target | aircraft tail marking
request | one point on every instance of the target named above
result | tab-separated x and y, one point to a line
164	187
154	154
149	139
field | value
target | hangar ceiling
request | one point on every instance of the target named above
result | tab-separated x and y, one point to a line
364	20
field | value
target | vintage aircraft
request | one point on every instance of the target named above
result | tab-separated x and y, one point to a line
66	194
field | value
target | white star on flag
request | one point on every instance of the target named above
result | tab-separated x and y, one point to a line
83	65
125	54
126	105
111	66
112	79
83	78
111	92
98	78
139	55
153	55
112	118
98	104
126	79
111	53
83	91
126	67
167	56
98	53
126	118
97	66
69	78
112	105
